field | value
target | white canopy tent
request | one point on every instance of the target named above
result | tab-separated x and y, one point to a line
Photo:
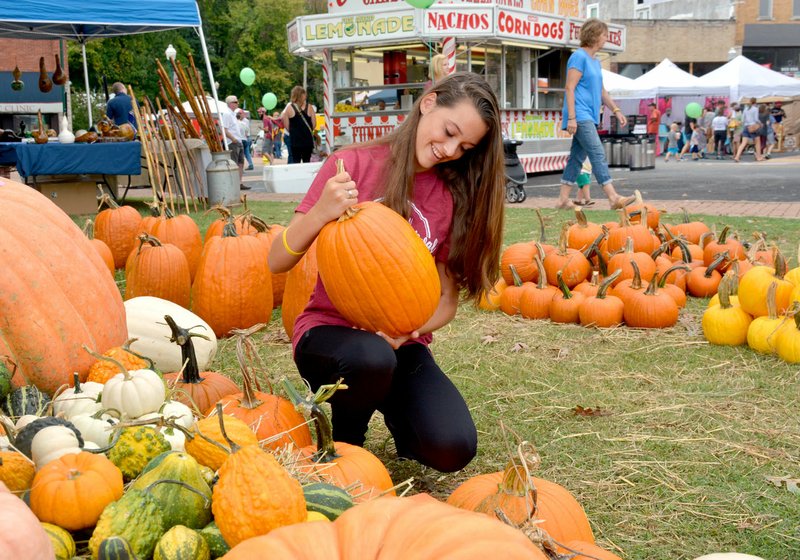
666	79
743	78
217	108
613	81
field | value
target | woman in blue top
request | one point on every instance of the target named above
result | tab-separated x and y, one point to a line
583	99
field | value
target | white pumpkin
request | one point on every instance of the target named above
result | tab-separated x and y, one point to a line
181	413
133	393
23	421
52	442
95	430
145	317
175	438
80	399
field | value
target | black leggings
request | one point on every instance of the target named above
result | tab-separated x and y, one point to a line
301	154
422	408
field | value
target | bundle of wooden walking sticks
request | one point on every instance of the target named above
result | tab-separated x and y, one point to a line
164	130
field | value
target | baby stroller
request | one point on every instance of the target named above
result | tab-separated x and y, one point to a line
515	173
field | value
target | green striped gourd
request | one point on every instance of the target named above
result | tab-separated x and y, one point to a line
181	543
327	499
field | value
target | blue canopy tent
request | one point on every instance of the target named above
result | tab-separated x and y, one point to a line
83	20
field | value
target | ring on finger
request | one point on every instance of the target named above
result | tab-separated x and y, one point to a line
349	193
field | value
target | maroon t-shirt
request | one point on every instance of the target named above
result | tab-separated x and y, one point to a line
431	217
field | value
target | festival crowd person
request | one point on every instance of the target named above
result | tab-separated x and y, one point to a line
120	107
750	131
244	124
443	170
299	121
580	116
719	126
653	122
234	136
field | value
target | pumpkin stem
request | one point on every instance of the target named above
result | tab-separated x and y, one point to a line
723	236
326	450
121	367
247	354
77	383
105	199
515	275
652	286
663	280
127	347
88	228
148	239
705	239
562	285
206	501
542	282
725	292
636	282
719	259
229	229
234	447
606	283
562	239
685	216
772	307
542	228
581	217
780	263
183	338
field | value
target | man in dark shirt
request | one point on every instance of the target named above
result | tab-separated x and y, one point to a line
777	111
119	107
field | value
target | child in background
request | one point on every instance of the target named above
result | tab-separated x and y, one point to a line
584	181
698	142
672	142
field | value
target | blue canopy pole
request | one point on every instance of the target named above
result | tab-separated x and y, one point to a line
86	82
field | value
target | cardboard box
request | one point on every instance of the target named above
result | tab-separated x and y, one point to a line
73	197
294	178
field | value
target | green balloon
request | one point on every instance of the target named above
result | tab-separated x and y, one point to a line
248	76
694	110
269	101
421	4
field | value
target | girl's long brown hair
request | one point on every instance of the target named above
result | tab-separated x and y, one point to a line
476	181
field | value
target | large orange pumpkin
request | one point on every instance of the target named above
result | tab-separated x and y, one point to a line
233	285
100	246
267	234
267	414
55	294
521	497
117	227
180	231
158	270
73	490
377	271
300	282
418	527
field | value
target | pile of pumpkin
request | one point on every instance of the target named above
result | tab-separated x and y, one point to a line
138	463
637	271
760	309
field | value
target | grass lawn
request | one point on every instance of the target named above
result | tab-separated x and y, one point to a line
676	464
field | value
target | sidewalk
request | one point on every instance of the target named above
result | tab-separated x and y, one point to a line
707	207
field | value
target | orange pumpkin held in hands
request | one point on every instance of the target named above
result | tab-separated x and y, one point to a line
372	251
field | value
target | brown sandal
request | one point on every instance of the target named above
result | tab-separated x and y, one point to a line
622	202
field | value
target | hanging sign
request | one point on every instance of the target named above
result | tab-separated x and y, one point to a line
461	21
390	25
517	24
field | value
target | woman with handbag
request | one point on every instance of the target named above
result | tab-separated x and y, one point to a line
750	133
298	120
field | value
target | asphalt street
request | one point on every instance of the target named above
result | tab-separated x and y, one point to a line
775	180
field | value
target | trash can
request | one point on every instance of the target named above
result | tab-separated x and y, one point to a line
637	155
617	154
649	153
607	149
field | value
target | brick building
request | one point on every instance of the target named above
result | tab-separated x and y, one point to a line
768	32
23	106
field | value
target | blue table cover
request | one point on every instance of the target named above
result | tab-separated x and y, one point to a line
8	155
112	158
